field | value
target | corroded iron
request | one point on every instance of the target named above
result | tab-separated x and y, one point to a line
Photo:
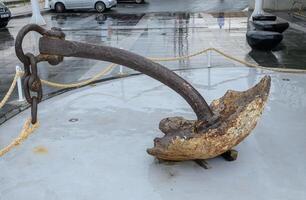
32	85
238	113
219	127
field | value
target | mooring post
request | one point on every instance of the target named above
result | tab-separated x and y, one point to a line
19	84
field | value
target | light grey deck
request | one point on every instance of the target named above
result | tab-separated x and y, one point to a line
103	155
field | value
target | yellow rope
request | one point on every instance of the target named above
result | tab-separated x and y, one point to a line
27	130
11	89
111	66
180	58
299	14
82	83
288	70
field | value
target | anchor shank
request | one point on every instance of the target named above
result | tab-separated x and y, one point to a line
55	46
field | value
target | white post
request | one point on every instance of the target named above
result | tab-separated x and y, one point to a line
36	15
258	10
46	4
120	67
19	85
121	70
209	59
209	78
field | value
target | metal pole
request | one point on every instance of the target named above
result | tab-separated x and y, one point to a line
36	15
19	85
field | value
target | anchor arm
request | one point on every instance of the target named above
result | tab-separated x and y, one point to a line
59	47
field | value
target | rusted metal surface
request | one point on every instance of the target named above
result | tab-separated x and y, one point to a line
238	114
32	85
219	127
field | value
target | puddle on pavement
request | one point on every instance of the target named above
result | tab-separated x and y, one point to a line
6	39
291	53
100	19
162	35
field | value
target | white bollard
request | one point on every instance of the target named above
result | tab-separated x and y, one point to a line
47	4
209	59
36	15
258	10
19	85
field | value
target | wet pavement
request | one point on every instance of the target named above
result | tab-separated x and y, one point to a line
183	6
92	144
160	34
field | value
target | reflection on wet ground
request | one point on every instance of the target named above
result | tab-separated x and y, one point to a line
299	20
153	34
6	39
291	53
64	20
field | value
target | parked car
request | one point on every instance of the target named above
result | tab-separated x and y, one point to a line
99	5
136	1
5	15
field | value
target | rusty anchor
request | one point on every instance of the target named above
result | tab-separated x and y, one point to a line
219	127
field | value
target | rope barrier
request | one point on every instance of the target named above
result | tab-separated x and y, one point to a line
26	131
180	58
82	83
299	14
28	128
11	89
286	70
111	66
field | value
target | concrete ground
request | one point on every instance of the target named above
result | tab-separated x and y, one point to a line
92	141
92	144
180	29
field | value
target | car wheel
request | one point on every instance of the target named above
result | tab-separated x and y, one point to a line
100	7
59	7
139	1
3	24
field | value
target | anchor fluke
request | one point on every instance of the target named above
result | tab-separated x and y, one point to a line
237	114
